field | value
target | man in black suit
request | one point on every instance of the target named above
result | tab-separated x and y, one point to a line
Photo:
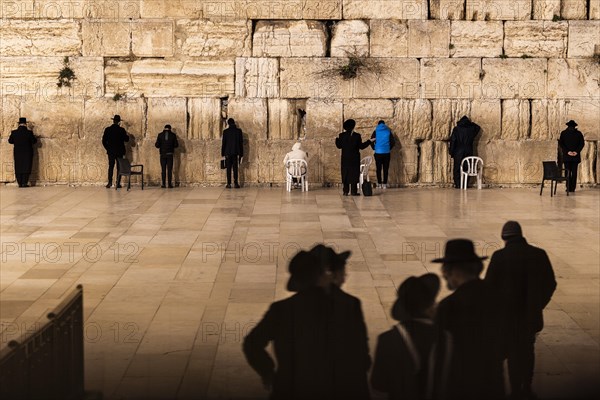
232	149
166	142
461	144
23	140
522	280
571	142
113	140
319	335
351	144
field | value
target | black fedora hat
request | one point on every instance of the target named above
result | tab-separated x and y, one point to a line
304	271
459	250
117	118
571	123
328	258
415	295
22	120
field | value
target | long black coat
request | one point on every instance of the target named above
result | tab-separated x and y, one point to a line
320	343
233	142
166	146
394	371
351	144
571	140
462	138
522	279
23	140
114	139
468	338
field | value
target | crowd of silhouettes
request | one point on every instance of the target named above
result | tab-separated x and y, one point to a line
453	351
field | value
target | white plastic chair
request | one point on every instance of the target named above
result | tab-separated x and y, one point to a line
471	166
296	168
365	164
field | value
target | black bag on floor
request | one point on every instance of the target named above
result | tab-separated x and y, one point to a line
367	189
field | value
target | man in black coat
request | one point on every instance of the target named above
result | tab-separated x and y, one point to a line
166	142
522	280
571	142
232	149
113	140
461	144
467	325
23	140
351	144
319	338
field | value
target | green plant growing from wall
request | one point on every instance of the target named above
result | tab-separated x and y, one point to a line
354	66
66	76
119	96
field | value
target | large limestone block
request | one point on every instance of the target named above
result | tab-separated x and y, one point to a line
503	10
573	9
429	38
393	9
91	164
152	38
289	39
270	160
172	8
595	14
54	161
37	76
435	165
7	166
445	115
388	38
250	115
10	111
404	164
584	36
488	115
514	162
257	77
163	111
535	38
106	38
160	78
587	173
269	9
573	79
550	116
476	38
323	118
515	119
367	113
546	9
412	120
450	78
205	118
69	9
514	78
221	38
98	114
59	119
447	9
40	38
284	119
350	37
330	160
317	78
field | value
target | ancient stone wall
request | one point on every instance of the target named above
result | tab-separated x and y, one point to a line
519	68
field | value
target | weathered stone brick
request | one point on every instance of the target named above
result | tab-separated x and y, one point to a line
350	38
584	38
573	79
289	39
206	118
505	78
486	10
546	9
106	38
535	38
412	119
428	38
445	115
323	118
515	119
152	38
573	9
219	38
257	77
250	116
450	78
476	38
388	38
447	9
435	164
393	9
40	38
284	120
367	113
163	111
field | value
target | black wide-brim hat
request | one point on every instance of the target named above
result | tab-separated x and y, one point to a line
571	123
117	118
459	250
22	120
415	295
328	258
304	271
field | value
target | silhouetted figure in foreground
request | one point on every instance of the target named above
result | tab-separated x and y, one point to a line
402	358
461	144
351	144
319	336
571	142
166	142
468	341
522	279
23	141
113	140
232	149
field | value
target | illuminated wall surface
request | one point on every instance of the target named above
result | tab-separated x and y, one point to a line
520	69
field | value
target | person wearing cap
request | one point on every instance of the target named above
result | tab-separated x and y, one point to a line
461	144
522	279
232	150
319	335
351	144
113	140
382	144
467	330
23	140
166	142
571	143
401	366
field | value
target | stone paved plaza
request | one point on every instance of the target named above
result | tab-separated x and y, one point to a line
173	279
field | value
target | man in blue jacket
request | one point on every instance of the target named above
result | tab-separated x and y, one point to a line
384	142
